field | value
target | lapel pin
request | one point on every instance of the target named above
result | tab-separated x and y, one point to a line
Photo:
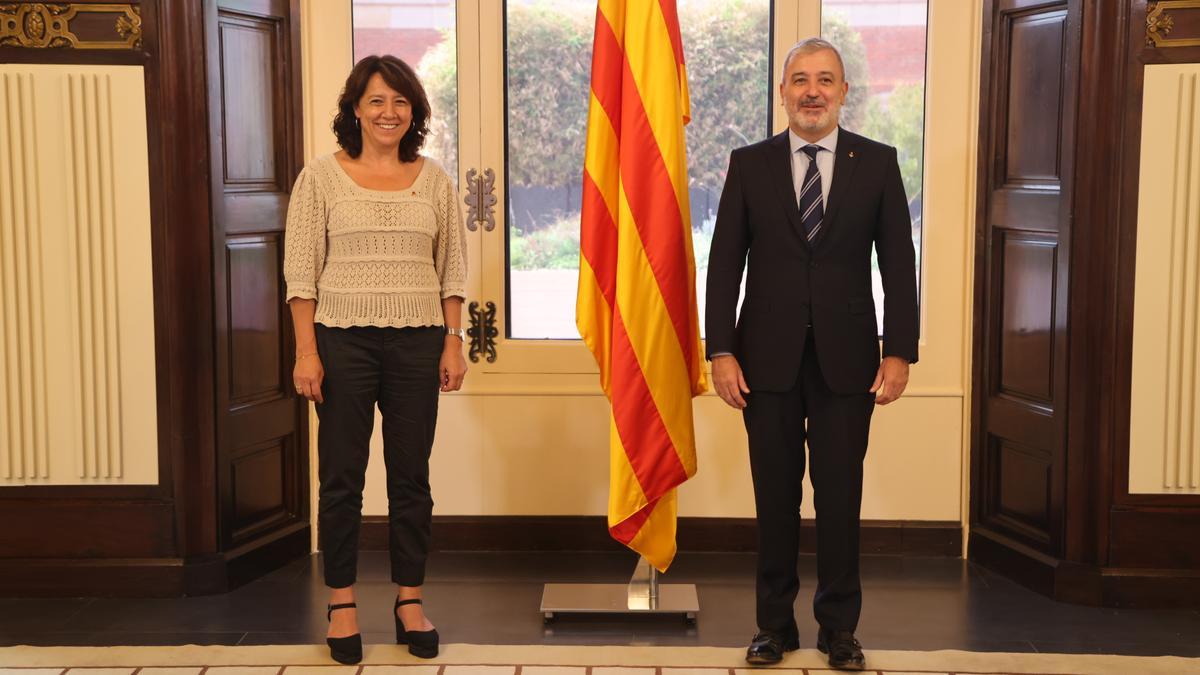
852	153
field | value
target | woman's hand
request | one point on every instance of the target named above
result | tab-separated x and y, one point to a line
453	366
308	375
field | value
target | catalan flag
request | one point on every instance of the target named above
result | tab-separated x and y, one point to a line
636	308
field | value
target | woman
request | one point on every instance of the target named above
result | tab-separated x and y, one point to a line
376	271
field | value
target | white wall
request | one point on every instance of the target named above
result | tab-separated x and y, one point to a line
78	397
1164	425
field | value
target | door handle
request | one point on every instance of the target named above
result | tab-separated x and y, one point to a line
481	200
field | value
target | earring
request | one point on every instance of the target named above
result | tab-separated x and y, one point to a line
356	124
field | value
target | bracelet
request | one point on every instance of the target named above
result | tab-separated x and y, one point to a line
300	357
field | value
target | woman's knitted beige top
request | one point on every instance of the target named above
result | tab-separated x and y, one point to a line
374	257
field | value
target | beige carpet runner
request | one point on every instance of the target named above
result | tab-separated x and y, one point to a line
545	660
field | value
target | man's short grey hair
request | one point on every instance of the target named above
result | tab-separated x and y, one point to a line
810	46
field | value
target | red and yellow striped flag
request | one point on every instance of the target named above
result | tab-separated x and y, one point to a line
636	308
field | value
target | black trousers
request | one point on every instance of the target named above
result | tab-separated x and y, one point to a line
396	368
836	427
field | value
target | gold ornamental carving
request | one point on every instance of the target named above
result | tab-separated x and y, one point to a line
45	25
1159	23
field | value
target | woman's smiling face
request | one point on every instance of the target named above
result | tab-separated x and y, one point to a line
384	114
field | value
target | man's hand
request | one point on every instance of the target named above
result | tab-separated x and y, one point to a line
890	381
728	381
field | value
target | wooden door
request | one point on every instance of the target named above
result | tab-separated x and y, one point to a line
1030	58
255	130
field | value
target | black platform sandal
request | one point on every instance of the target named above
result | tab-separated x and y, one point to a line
421	643
347	650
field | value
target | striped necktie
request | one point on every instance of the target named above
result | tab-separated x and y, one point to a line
811	208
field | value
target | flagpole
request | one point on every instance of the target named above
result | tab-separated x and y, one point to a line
643	586
642	595
637	296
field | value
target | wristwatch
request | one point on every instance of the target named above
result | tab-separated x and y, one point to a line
460	333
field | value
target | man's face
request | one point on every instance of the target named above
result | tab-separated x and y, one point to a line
813	91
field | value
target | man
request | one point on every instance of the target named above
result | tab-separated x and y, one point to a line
802	361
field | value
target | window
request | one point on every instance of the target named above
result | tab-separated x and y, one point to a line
526	71
727	47
422	34
883	45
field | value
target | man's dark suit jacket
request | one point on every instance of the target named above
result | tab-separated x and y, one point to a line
791	283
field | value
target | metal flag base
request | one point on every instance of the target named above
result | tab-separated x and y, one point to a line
642	595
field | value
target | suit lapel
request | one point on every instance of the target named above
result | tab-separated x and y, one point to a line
844	164
779	160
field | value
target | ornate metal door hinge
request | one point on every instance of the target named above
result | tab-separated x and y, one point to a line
482	332
481	200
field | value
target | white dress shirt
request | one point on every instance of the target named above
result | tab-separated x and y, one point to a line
825	158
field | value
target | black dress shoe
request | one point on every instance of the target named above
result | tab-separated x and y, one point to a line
347	650
845	653
421	643
767	648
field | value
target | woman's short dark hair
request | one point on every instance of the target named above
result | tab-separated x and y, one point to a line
399	76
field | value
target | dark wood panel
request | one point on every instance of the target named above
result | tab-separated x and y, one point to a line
151	577
98	27
255	319
264	8
264	492
590	533
1015	559
1015	7
258	487
255	139
1173	55
1185	24
1150	589
1034	97
1028	269
266	553
261	422
1085	584
1159	538
92	577
1020	420
87	528
181	225
1023	485
249	68
75	56
1093	353
1026	166
1025	208
84	493
254	213
1116	549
